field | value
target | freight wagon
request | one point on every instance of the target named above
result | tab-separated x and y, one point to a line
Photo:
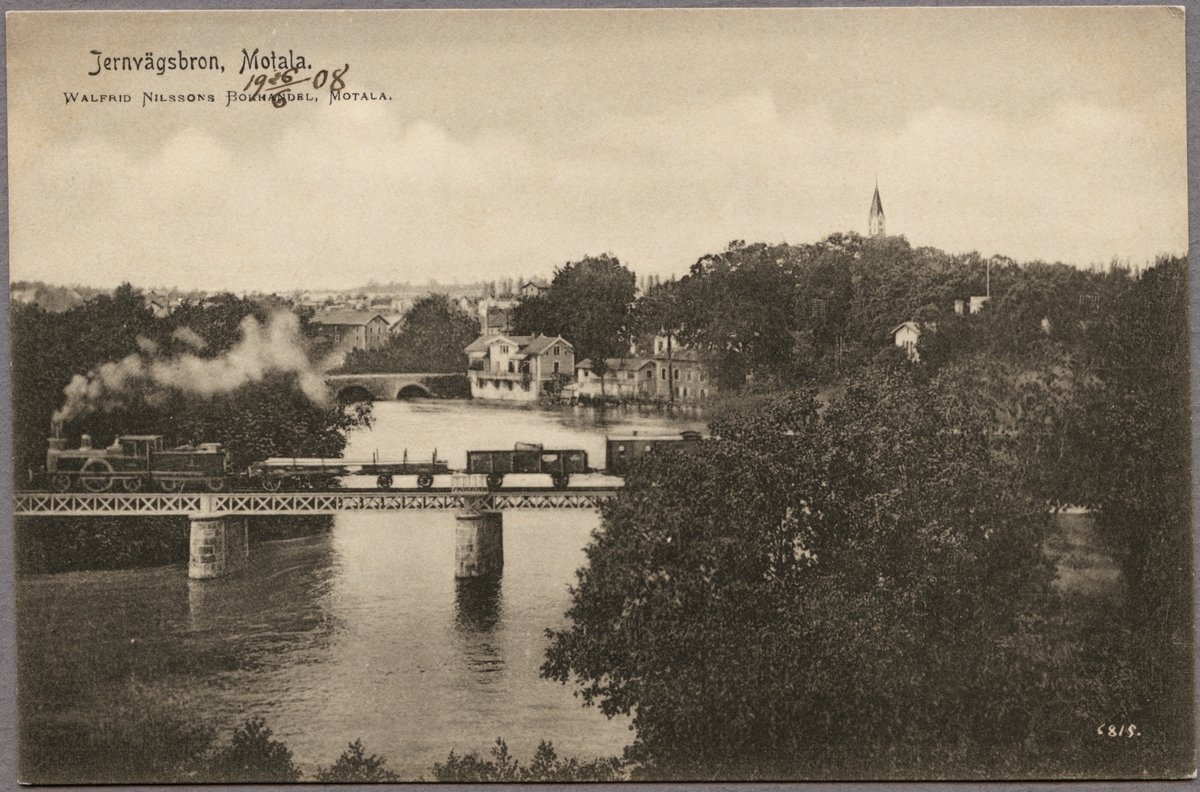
528	458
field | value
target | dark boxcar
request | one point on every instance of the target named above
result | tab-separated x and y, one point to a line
528	458
134	462
621	452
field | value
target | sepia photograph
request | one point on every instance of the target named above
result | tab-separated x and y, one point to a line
600	395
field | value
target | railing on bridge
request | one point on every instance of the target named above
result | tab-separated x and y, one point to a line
113	504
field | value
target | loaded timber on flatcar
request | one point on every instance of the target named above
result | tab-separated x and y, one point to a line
299	472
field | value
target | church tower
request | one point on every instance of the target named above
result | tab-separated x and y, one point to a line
875	224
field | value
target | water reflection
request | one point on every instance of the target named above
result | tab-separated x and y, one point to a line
478	605
478	608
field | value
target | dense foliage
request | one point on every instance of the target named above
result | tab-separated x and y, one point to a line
261	412
432	338
811	583
864	589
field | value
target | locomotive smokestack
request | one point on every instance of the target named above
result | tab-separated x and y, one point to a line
85	442
56	429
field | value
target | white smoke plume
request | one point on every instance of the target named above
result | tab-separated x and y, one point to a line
278	347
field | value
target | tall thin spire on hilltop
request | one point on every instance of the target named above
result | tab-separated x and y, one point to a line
875	223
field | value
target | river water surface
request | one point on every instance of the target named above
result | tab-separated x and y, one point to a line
359	633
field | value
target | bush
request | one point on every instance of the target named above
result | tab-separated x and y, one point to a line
252	757
545	767
355	767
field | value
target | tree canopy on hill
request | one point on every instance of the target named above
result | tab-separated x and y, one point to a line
863	590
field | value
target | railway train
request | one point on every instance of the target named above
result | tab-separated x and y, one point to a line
134	463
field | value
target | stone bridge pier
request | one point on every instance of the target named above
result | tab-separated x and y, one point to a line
217	545
479	531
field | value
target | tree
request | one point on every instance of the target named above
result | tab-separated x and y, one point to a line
815	588
433	338
589	303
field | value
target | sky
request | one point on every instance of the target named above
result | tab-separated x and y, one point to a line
512	142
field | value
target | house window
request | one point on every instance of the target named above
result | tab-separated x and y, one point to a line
510	367
556	351
689	376
525	386
649	374
503	349
508	383
556	367
663	372
676	375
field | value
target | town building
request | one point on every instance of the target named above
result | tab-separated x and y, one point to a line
351	330
675	373
495	315
534	288
518	368
623	378
906	335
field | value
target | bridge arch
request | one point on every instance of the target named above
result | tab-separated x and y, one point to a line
352	394
414	390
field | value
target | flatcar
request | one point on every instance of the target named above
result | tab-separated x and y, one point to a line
528	458
135	462
621	452
274	473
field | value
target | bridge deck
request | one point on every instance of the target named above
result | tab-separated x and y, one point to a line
32	504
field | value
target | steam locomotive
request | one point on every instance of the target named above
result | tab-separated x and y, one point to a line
134	463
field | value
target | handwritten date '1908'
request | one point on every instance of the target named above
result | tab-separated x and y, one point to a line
277	86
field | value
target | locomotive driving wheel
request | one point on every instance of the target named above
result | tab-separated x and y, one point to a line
384	481
96	475
60	482
170	485
272	483
424	481
215	483
132	484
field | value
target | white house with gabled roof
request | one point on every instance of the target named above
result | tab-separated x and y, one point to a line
518	368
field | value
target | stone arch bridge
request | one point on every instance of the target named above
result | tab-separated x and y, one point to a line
383	387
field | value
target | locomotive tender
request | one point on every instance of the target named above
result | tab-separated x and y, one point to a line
134	463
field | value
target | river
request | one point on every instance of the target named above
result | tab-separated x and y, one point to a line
362	632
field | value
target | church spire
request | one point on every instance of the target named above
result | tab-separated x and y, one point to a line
875	223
